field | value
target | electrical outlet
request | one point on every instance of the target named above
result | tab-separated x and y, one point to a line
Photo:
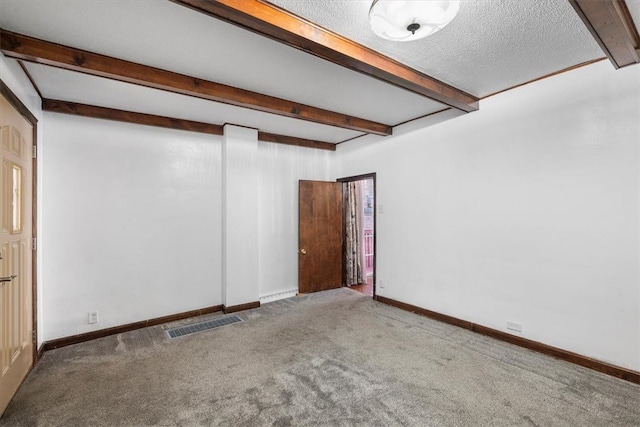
93	317
381	283
514	326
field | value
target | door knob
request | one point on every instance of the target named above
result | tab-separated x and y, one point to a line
8	278
303	251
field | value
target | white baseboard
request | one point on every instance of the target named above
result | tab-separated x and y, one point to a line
278	296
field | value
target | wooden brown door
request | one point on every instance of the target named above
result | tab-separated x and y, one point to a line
320	236
16	346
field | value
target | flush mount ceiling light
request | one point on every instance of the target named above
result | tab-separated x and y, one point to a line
404	21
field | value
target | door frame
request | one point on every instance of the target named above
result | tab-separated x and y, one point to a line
362	177
29	117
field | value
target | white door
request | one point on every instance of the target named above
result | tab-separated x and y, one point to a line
16	346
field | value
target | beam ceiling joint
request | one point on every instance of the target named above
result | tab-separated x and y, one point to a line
611	25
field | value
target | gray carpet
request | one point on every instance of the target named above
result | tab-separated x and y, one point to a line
335	358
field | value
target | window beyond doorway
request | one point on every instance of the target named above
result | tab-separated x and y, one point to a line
368	228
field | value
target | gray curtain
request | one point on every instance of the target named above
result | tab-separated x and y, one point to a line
354	253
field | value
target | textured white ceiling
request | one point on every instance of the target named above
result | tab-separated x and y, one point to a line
171	37
490	46
75	87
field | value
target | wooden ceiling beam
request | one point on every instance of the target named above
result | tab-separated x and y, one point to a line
39	51
611	24
270	21
93	111
298	142
84	110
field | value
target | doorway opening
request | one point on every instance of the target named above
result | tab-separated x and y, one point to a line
359	228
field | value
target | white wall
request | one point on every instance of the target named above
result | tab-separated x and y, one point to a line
527	210
281	167
240	222
13	76
131	223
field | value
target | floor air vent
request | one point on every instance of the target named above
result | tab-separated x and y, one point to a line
203	326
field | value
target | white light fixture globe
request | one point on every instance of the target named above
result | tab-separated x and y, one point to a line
403	21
